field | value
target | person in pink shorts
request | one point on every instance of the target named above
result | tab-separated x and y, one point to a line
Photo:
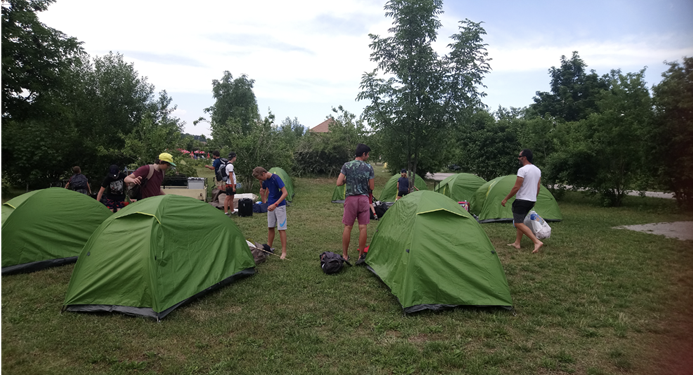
359	178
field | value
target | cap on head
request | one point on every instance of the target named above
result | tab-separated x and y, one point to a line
403	171
165	156
113	170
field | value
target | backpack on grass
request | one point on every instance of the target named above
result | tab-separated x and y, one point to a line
331	262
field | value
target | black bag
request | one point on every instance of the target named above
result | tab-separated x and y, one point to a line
79	182
245	207
331	262
380	209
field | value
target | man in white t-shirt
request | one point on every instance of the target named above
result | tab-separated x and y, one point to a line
527	188
230	181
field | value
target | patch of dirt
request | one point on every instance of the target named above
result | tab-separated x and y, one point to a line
683	230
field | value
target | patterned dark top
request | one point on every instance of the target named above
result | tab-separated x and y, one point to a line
357	173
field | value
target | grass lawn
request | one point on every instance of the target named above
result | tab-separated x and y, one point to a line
596	300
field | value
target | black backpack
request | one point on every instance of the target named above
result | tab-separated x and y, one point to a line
221	172
331	262
79	182
245	207
380	208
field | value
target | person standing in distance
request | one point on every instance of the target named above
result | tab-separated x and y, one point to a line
527	188
230	183
215	167
359	178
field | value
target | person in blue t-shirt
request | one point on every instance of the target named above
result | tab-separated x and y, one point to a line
215	167
273	192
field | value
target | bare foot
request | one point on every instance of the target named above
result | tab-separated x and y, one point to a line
283	256
537	247
514	245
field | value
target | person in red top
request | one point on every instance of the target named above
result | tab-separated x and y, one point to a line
152	187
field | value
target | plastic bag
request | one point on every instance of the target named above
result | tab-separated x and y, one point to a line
538	225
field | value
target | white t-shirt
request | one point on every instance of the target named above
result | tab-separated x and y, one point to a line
229	173
532	176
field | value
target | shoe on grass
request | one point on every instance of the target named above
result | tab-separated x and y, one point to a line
362	259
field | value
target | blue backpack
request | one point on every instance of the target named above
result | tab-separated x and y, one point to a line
79	182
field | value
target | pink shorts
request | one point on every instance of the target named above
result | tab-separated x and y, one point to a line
356	206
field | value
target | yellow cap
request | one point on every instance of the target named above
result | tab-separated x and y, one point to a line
165	156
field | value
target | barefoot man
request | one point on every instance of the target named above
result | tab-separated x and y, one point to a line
527	189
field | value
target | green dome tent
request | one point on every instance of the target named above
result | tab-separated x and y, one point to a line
486	203
460	187
339	194
47	228
287	182
432	254
389	193
154	255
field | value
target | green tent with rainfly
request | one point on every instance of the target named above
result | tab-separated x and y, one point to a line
156	254
486	203
287	182
460	187
432	254
339	194
47	228
389	193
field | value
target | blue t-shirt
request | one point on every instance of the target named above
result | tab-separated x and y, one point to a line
403	184
216	164
275	185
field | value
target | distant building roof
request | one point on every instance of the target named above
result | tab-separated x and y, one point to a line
323	127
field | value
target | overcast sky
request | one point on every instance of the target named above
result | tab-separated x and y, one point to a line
307	56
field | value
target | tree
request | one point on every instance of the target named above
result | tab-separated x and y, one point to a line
488	148
673	99
573	92
34	57
104	113
425	95
235	101
608	152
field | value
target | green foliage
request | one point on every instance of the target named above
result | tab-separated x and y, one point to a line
104	114
573	93
325	153
673	99
486	147
235	102
236	126
417	106
34	58
607	153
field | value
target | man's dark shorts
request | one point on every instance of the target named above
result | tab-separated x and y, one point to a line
520	209
402	193
229	190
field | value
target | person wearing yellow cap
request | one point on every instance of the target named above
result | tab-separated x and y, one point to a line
150	177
